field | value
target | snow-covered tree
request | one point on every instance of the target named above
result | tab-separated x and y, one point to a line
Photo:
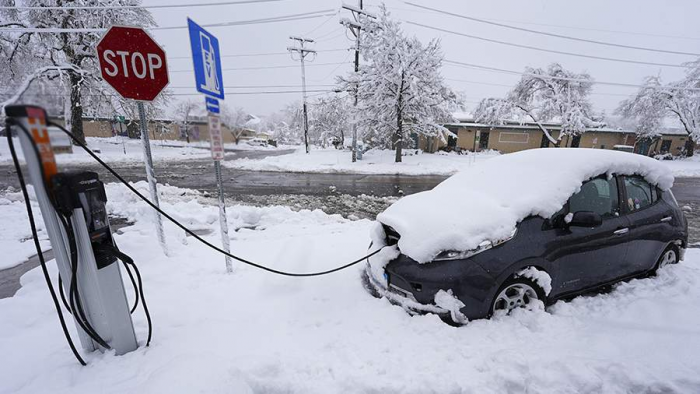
546	95
285	125
235	119
400	89
655	101
184	113
61	57
329	118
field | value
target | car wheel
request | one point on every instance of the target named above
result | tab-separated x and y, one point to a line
670	256
514	294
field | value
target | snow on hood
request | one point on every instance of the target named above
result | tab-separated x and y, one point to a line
485	202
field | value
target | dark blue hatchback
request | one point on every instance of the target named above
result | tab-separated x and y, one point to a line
616	227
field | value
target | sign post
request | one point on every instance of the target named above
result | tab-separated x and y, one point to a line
209	81
135	66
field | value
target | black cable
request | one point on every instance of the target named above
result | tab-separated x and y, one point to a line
63	296
127	260
35	235
194	235
133	283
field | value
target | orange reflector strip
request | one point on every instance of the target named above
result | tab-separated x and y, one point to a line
40	134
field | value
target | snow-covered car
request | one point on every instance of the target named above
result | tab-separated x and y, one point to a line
537	225
257	142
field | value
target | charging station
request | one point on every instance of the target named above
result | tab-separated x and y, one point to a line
73	208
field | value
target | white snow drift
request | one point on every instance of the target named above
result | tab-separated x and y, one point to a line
485	202
252	332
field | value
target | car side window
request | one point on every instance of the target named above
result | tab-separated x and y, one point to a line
640	194
598	195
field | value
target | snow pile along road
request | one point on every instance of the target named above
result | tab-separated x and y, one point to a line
252	332
485	203
116	149
16	241
372	162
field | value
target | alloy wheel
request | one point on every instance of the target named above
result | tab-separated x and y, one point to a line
517	295
668	258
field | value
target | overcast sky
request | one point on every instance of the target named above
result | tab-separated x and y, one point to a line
671	26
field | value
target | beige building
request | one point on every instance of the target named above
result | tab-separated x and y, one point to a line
515	137
161	129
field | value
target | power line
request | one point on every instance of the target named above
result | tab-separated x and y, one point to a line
321	24
501	70
549	34
262	67
544	49
261	54
126	7
181	94
634	33
283	18
254	86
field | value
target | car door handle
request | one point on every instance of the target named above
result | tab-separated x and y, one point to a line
621	231
666	219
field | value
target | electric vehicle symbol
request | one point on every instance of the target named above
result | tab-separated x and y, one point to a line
211	78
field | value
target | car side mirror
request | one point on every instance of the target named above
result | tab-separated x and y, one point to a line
585	219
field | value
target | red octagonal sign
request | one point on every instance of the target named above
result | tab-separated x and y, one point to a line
132	63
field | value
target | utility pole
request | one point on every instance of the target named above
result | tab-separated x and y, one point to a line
355	29
302	52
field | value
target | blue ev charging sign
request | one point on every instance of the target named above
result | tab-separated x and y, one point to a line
207	61
212	105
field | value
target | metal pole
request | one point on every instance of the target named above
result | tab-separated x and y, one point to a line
222	215
151	176
357	69
303	92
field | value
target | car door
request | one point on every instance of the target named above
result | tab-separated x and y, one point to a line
650	221
584	257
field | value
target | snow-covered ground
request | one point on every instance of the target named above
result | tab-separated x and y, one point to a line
373	162
253	332
15	236
382	162
122	149
689	167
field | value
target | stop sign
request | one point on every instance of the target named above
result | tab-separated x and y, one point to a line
132	63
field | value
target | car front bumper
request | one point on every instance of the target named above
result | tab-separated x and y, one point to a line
399	296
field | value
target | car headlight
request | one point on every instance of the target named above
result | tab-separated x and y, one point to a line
459	255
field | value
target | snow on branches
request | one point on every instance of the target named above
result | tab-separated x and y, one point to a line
24	53
545	95
656	101
330	120
400	89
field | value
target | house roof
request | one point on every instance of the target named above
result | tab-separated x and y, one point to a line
527	126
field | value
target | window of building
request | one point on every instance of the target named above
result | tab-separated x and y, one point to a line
513	138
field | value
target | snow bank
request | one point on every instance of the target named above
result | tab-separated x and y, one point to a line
16	241
689	167
487	201
373	162
116	149
252	332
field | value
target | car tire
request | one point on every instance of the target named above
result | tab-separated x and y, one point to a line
668	257
508	294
